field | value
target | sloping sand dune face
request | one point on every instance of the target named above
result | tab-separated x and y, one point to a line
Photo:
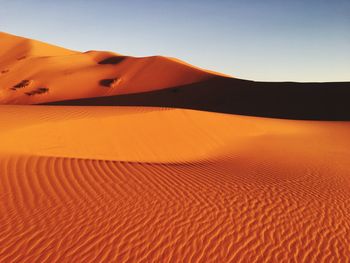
72	75
111	184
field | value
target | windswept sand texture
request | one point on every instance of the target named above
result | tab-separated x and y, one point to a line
157	184
116	184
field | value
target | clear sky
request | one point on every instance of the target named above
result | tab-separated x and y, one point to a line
298	40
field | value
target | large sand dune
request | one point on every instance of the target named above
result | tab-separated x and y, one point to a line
158	184
37	73
27	65
116	184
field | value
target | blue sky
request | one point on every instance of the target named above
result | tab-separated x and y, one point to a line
299	40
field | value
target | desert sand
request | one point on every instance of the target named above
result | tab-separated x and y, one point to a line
161	184
28	65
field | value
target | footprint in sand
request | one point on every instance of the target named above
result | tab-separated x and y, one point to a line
4	71
37	91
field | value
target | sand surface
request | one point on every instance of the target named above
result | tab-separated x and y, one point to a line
129	183
132	184
28	66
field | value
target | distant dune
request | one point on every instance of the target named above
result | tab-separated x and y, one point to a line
73	75
166	184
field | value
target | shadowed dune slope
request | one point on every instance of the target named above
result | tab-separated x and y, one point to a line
132	184
288	100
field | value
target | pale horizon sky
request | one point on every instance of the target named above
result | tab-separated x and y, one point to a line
271	40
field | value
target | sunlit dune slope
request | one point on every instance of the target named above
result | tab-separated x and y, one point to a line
34	72
132	184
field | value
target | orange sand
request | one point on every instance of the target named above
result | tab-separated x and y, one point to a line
71	75
158	185
138	184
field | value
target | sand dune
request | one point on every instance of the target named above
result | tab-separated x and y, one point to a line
166	184
73	75
57	76
175	190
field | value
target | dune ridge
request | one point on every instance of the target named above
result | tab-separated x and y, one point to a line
63	77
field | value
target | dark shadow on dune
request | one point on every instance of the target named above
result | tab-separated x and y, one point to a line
288	100
110	83
112	60
106	82
22	84
37	91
